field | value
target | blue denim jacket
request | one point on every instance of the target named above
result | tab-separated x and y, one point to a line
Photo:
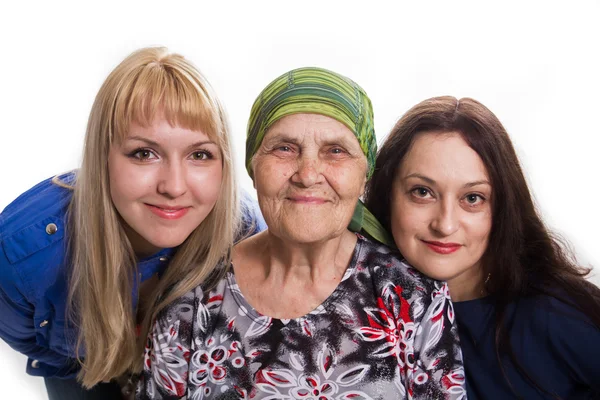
34	276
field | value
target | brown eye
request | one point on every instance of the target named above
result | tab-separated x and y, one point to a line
142	154
201	155
474	199
420	192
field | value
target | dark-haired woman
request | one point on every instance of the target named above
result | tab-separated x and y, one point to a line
449	187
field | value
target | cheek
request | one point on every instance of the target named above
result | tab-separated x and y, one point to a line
128	181
271	176
478	229
206	183
405	217
348	181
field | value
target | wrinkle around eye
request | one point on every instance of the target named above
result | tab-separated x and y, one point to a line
282	151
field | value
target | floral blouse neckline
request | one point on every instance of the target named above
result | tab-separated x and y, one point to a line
325	306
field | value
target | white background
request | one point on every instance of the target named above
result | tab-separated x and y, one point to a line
534	64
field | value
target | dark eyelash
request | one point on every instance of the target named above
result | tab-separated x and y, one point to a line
139	149
209	154
481	197
420	187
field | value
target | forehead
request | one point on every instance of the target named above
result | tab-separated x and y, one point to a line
315	127
443	156
162	130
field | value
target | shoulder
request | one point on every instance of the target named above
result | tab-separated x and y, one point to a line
31	228
191	316
551	315
566	334
203	295
48	197
388	266
399	286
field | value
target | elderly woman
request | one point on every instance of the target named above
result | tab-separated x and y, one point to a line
309	309
449	187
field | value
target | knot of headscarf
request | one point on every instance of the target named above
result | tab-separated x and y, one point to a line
319	91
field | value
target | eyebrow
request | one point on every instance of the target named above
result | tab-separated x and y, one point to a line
156	144
285	137
281	137
432	182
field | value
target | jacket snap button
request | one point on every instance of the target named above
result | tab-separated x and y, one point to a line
43	323
163	259
35	364
51	229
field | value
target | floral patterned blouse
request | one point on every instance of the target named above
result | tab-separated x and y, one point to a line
386	332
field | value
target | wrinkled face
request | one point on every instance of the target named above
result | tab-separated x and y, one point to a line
441	211
164	180
309	173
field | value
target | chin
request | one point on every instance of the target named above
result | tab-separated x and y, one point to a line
166	243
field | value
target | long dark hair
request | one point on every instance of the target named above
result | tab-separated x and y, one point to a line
523	257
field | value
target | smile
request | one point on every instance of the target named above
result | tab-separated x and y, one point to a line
307	200
168	212
442	248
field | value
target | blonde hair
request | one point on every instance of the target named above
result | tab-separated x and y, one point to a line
104	268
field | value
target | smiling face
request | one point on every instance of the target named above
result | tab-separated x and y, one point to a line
164	181
309	173
441	211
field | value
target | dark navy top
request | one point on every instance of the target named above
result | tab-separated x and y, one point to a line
556	345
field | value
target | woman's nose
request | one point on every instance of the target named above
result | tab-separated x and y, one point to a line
308	172
445	221
172	182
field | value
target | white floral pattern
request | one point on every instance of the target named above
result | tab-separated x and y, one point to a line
396	340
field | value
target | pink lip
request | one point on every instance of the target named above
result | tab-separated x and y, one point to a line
442	248
307	200
168	212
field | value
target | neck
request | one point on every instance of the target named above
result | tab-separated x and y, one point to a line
470	285
287	280
313	262
141	247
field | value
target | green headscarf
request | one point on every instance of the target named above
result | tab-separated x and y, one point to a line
320	91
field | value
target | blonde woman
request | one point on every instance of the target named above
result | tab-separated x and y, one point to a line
84	252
